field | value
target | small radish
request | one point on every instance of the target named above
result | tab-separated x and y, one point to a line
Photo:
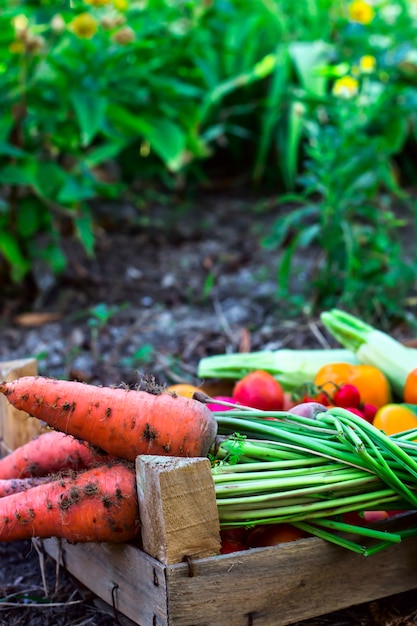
308	409
375	516
259	390
213	406
355	410
369	411
347	395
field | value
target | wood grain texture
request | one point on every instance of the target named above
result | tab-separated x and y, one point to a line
16	427
273	586
177	506
282	584
120	574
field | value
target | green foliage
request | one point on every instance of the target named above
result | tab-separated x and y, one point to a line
317	97
351	203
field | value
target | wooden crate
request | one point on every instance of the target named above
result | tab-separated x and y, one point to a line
16	427
177	578
264	586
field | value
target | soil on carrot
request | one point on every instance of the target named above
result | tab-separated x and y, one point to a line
168	285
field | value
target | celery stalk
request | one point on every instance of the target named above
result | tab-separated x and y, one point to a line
292	368
372	347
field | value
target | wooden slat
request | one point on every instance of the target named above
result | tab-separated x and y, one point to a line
119	574
286	583
275	586
16	427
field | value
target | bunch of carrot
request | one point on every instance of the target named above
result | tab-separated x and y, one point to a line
77	481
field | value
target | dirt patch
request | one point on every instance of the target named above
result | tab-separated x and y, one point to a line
166	288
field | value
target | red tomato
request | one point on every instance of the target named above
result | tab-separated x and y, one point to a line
228	546
289	402
238	534
259	390
354	518
271	535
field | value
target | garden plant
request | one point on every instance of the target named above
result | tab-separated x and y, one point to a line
316	101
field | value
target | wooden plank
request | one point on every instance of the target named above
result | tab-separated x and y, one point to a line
120	574
282	584
275	586
16	427
177	506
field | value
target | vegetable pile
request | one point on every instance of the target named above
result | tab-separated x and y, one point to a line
309	442
89	491
341	453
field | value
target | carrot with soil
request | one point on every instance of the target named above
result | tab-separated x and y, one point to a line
99	504
124	423
50	452
16	485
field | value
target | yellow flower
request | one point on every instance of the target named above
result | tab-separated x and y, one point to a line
345	87
20	22
367	64
121	5
97	3
361	12
58	24
84	26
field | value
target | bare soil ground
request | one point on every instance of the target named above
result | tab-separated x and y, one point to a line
163	290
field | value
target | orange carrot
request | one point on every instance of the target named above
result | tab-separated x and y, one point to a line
50	452
15	485
99	504
123	422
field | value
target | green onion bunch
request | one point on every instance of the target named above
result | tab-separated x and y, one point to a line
309	472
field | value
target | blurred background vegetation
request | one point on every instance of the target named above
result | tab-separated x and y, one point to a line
313	101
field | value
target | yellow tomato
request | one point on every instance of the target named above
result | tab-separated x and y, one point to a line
183	389
410	389
394	418
371	383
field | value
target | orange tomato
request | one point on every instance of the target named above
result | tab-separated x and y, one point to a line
183	389
394	418
371	383
410	388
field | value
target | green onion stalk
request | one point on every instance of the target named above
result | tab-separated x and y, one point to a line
372	347
309	472
292	368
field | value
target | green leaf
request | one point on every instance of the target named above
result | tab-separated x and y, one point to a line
9	248
164	136
273	104
75	190
168	141
308	57
7	149
290	143
260	70
28	219
49	179
20	175
104	153
54	256
6	124
90	109
283	225
85	232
